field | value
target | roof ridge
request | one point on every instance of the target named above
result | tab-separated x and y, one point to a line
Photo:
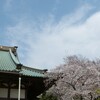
37	70
6	48
15	60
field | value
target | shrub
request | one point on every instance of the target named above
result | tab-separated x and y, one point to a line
48	96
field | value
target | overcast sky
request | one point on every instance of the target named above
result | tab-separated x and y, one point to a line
46	31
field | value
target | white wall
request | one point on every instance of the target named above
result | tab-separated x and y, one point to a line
3	92
14	93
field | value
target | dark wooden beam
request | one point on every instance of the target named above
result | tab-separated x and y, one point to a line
9	87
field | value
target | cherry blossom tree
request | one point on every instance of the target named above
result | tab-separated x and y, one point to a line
77	79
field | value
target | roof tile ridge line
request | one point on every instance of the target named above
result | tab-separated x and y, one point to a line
17	55
6	48
10	52
34	69
31	69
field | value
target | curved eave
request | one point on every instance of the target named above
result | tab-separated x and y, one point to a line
26	72
9	63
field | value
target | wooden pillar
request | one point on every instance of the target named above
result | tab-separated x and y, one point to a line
9	86
26	88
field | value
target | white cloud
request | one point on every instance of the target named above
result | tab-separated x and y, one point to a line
46	45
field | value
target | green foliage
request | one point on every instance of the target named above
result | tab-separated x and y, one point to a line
98	98
98	91
48	96
78	97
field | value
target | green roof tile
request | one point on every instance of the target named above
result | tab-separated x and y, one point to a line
27	72
9	62
6	62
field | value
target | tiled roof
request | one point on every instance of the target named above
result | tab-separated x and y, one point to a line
27	72
6	62
9	62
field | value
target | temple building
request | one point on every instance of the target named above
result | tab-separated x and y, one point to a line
18	82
